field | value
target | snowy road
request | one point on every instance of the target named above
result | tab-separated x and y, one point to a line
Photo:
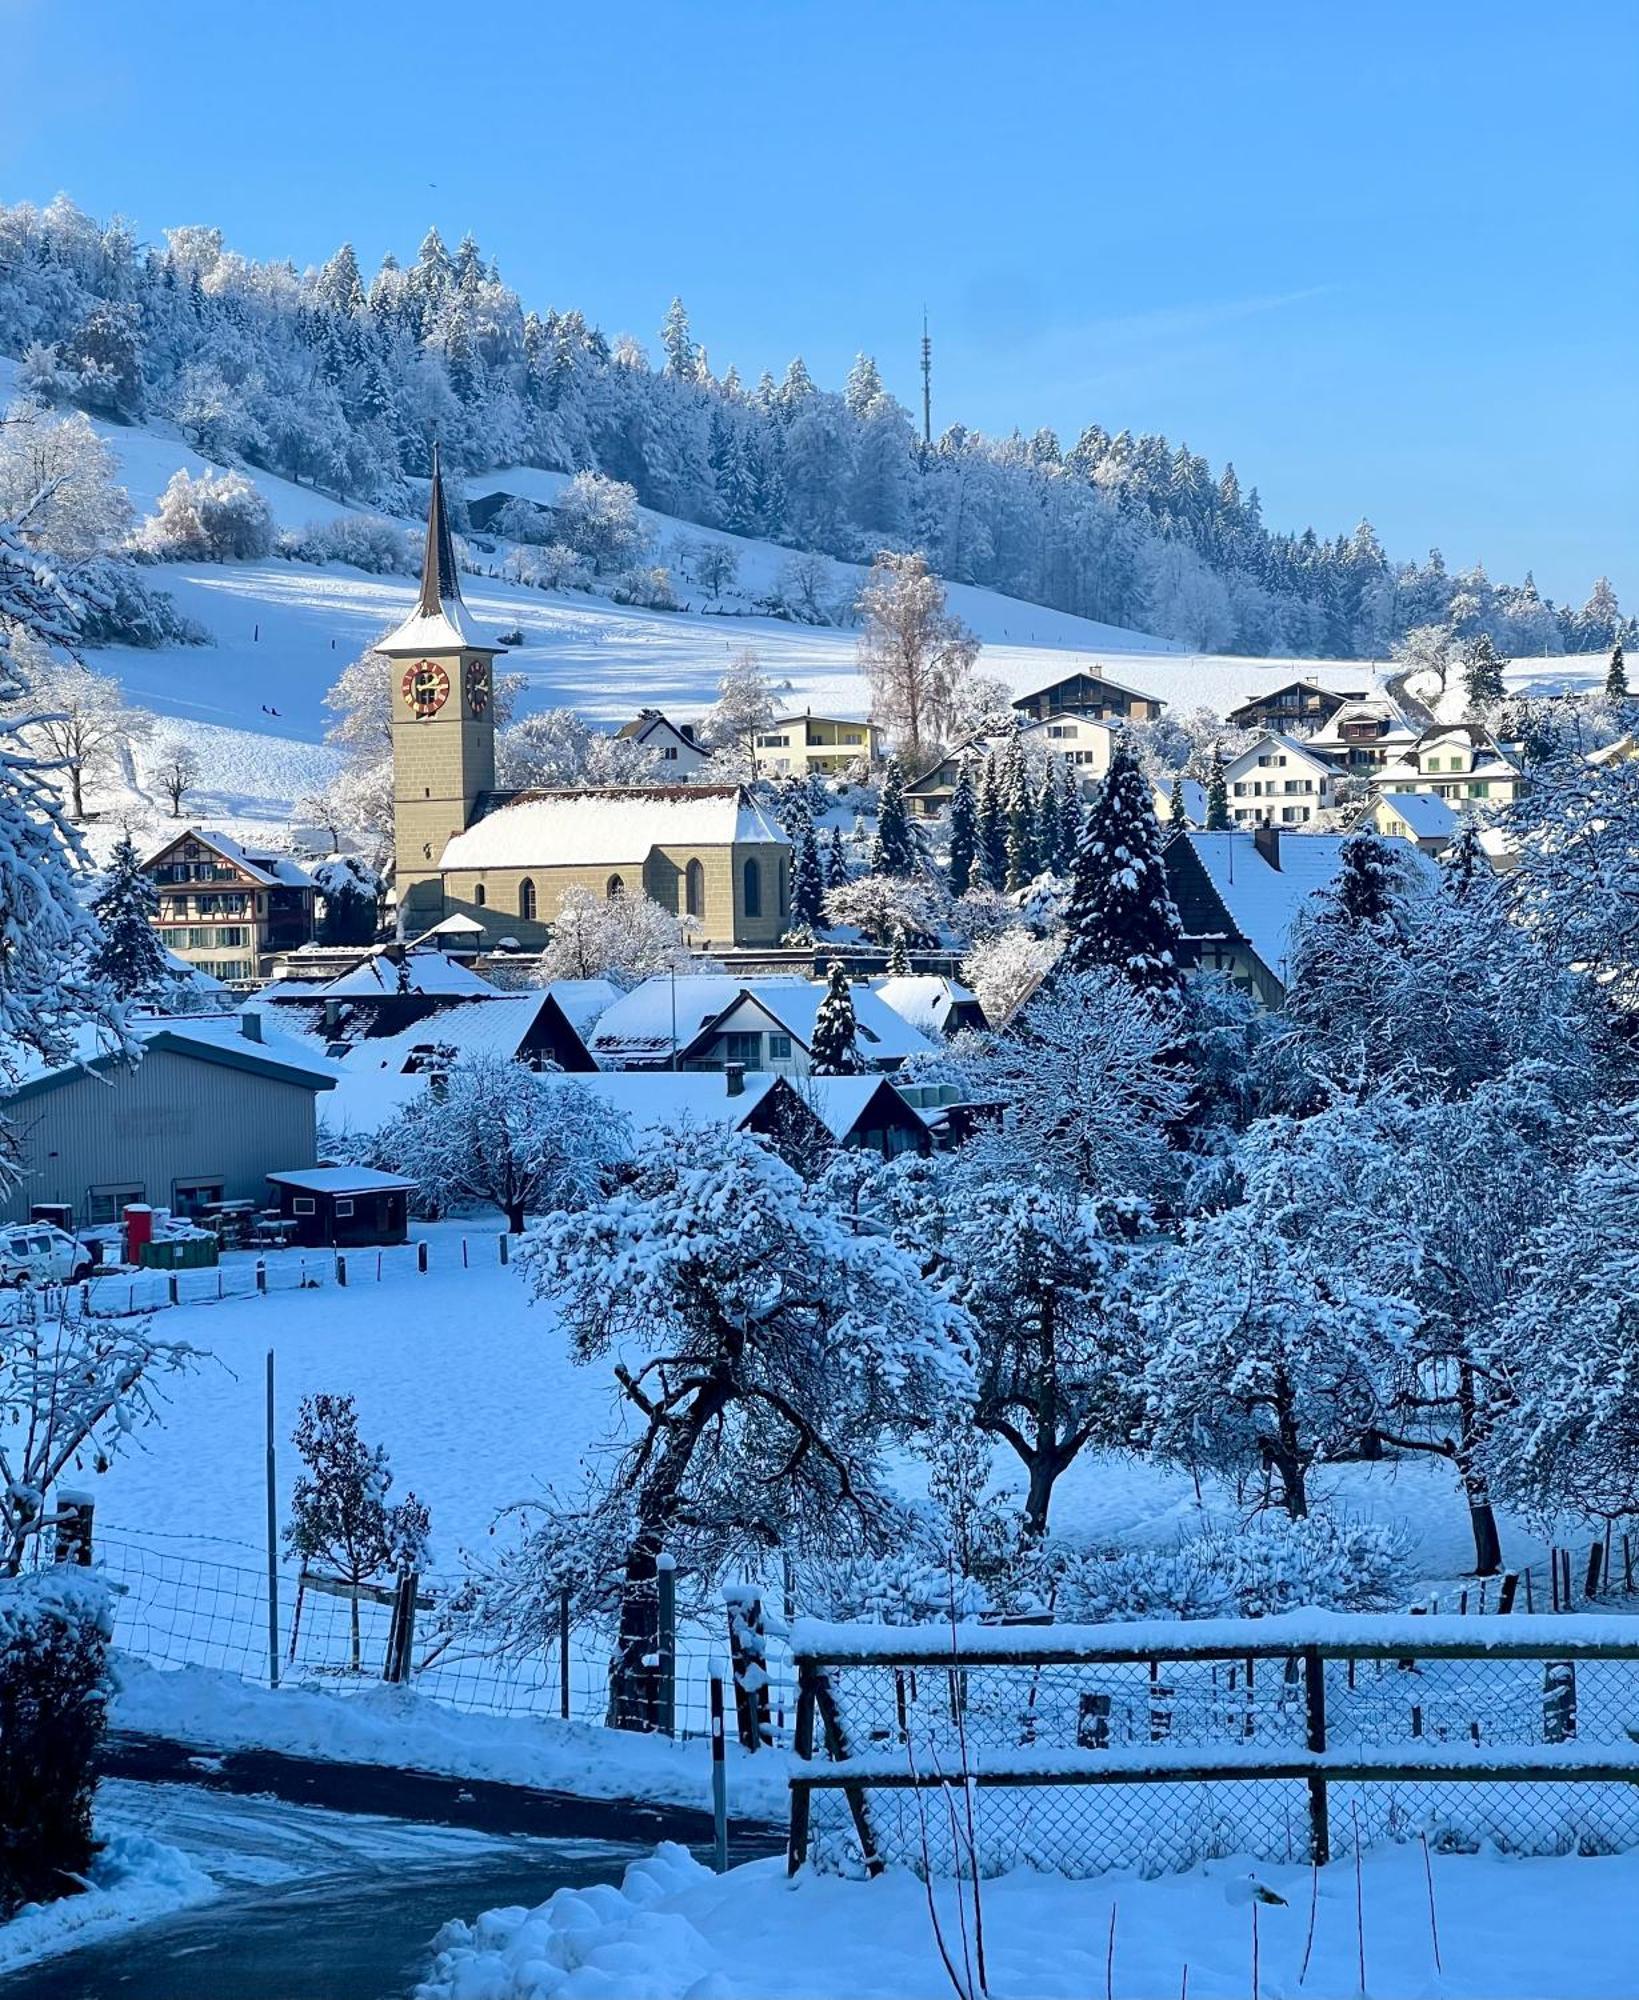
315	1905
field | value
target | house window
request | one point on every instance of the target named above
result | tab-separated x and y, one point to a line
344	1205
694	889
753	877
480	895
668	756
613	889
304	1204
744	1049
779	1048
526	900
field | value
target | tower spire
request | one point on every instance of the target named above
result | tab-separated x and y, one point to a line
927	383
440	580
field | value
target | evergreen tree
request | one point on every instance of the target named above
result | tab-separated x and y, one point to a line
893	852
1177	817
899	958
1616	680
1217	795
1482	674
992	829
1049	859
1014	779
836	861
1070	818
964	830
807	878
1121	913
832	1051
129	957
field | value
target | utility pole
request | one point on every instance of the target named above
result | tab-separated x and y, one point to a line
927	384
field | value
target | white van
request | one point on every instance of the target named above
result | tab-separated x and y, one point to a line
38	1253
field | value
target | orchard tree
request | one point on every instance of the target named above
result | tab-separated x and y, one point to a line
833	1050
743	709
1121	913
916	655
1005	969
784	1354
82	722
129	958
175	770
339	1514
625	938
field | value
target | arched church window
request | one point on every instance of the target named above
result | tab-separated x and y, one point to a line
480	895
526	900
694	887
613	889
753	889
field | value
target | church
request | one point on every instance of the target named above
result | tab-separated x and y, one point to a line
506	859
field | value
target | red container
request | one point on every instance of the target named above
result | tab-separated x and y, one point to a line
139	1230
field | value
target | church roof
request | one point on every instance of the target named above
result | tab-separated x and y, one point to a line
440	621
614	827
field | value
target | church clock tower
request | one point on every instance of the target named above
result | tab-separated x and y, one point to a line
443	707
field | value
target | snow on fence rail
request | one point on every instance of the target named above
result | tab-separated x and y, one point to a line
121	1295
179	1604
1158	1745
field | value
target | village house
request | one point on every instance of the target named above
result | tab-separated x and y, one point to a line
794	745
343	1207
1076	740
1364	735
226	909
850	1112
1090	695
934	1006
1238	894
672	743
713	1021
215	1105
1456	760
1428	822
1278	781
506	861
1296	706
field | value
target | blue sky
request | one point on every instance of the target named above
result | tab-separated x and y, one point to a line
1383	258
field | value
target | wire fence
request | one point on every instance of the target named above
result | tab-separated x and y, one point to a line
124	1294
1063	1749
178	1605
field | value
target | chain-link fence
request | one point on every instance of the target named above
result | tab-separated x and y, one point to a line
1063	1748
180	1604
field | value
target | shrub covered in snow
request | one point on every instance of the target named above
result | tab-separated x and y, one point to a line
218	517
54	1632
366	541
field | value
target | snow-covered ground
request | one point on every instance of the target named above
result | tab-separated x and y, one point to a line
1470	1927
133	1880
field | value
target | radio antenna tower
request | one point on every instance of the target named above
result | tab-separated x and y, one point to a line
927	383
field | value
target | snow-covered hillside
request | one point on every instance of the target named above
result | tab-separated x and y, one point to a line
252	702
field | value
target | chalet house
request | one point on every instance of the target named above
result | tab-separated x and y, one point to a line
1456	760
1238	895
214	1106
1299	705
1081	742
385	1051
229	910
505	861
793	745
713	1021
935	1007
1279	781
927	797
672	743
1430	823
1092	696
1362	736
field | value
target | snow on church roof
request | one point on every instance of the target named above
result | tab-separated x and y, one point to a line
614	827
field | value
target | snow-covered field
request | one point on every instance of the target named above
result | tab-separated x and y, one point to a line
1470	1927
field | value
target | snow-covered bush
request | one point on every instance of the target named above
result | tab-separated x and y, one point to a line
879	905
1251	1569
915	1585
122	610
55	1625
649	587
218	517
1005	968
365	541
597	518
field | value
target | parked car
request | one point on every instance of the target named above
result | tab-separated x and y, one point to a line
38	1253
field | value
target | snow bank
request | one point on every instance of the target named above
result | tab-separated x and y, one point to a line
134	1878
404	1730
1506	1930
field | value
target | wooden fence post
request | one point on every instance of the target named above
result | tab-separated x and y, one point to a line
748	1654
666	1586
1507	1593
421	1256
506	1248
341	1269
261	1274
1314	1689
75	1514
1559	1701
801	1797
719	1775
563	1652
1596	1569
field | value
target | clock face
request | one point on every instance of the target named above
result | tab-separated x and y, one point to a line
477	687
426	688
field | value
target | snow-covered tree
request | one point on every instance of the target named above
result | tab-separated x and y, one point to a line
899	959
743	709
1006	968
340	1519
834	1051
991	824
836	862
783	1354
1482	675
218	517
493	1131
1217	794
557	747
894	850
964	830
59	482
1121	913
807	876
598	519
79	721
1616	677
914	652
625	938
351	892
1019	815
174	768
878	905
129	957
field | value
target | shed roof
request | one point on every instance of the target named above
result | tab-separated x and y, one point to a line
342	1180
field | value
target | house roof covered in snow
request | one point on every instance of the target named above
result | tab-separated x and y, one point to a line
651	1100
880	1035
1194	796
266	869
609	826
236	1041
440	622
341	1180
416	972
638	1029
1429	816
841	1102
932	1005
